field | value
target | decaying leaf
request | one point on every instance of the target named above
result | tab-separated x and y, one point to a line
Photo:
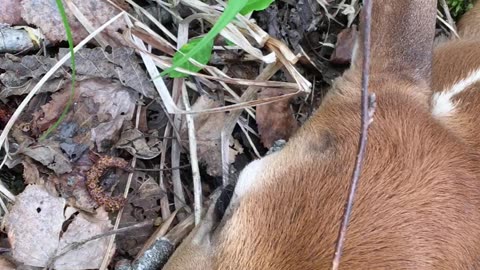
100	108
72	185
6	264
49	154
10	13
135	142
121	63
88	256
35	233
96	12
344	48
22	74
143	205
30	172
34	225
275	120
208	129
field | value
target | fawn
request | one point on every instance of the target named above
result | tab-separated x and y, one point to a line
417	205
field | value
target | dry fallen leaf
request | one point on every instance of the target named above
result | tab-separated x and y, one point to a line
100	108
344	48
36	233
121	63
88	256
49	154
21	74
34	225
275	120
30	172
10	13
96	12
135	142
143	205
6	264
208	129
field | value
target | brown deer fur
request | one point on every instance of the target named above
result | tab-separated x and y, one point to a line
418	201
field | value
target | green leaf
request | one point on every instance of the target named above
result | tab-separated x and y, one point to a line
255	5
231	10
202	56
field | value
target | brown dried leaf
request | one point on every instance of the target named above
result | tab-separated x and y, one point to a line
101	108
30	172
49	154
344	48
96	12
122	64
10	13
35	231
21	74
143	205
275	120
208	129
134	142
6	264
34	225
87	256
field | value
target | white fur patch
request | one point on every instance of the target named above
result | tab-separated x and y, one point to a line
442	101
248	178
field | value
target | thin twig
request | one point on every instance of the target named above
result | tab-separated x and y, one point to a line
368	108
249	139
176	149
197	183
164	204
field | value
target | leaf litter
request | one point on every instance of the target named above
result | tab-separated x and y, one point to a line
40	217
21	74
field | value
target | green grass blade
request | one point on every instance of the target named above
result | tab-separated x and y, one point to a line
231	10
203	56
72	61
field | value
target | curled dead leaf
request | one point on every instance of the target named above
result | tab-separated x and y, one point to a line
344	48
275	120
30	172
135	142
49	154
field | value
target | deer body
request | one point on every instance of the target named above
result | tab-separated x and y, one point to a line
417	204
